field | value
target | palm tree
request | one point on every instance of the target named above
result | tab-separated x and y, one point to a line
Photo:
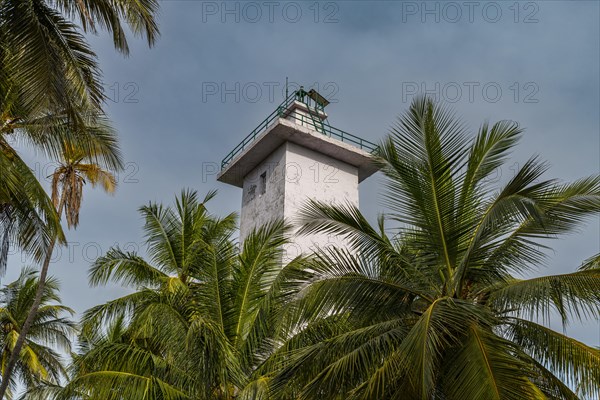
51	96
39	361
200	322
78	167
437	307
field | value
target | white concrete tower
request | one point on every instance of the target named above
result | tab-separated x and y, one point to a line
292	156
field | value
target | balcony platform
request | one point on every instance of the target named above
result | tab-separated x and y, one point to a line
348	149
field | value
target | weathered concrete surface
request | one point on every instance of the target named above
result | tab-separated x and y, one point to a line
262	205
312	175
281	185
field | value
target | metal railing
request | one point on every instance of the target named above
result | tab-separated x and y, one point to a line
279	112
336	133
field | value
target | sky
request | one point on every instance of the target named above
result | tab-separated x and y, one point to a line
219	69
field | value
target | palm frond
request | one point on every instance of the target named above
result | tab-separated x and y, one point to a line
573	295
125	267
485	368
570	360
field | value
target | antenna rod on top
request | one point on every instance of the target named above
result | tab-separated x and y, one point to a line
286	87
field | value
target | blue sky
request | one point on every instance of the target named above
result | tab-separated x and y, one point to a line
182	106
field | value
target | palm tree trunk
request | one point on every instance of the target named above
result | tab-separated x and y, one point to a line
14	356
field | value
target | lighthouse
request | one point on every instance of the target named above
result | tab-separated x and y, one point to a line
294	155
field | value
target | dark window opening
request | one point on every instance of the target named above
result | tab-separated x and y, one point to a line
263	183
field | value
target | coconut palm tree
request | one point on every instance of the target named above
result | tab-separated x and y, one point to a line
78	167
51	331
438	306
51	96
200	320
